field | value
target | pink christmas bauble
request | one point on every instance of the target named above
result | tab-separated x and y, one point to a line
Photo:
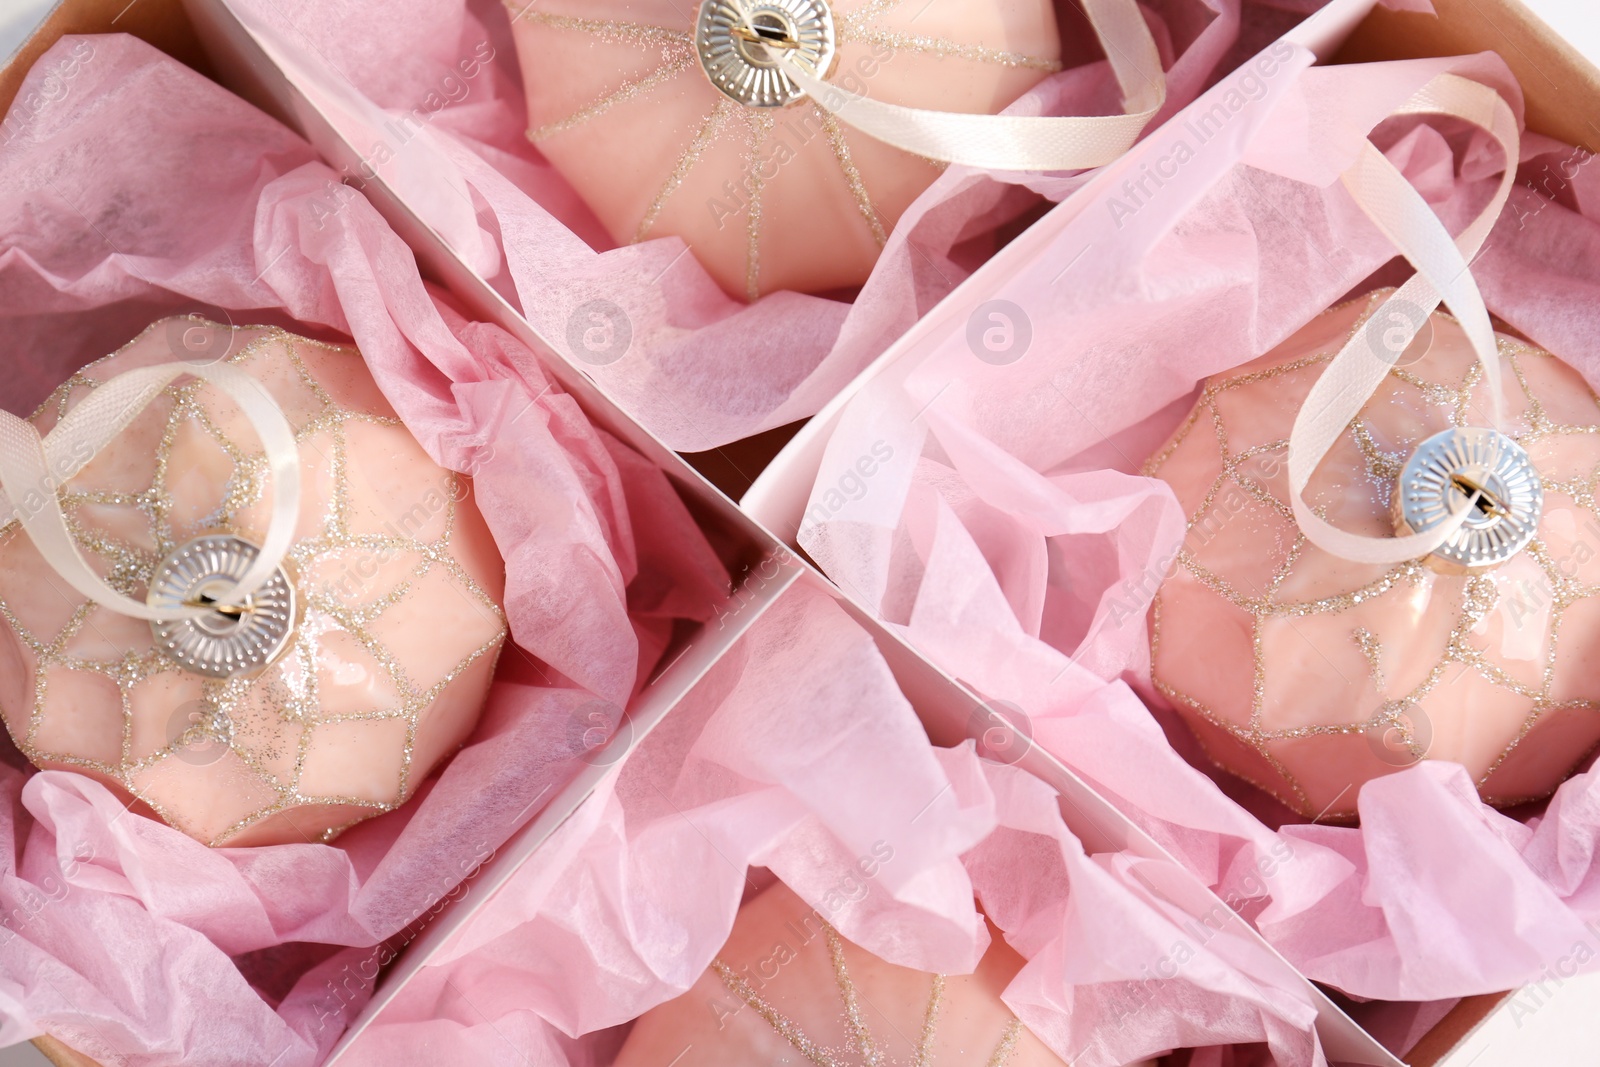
767	197
786	988
396	590
1310	675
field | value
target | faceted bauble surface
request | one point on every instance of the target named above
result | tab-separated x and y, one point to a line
1310	675
396	575
787	989
765	198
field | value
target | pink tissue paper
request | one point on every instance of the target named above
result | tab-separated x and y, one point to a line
774	767
132	188
1010	535
430	96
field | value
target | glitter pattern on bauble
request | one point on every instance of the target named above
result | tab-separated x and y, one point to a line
392	580
670	122
788	988
1310	675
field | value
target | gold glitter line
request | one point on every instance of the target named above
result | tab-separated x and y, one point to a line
930	1021
1156	462
1372	648
628	90
785	1027
945	48
702	139
860	1033
1008	1045
852	176
41	690
1258	675
609	30
1381	465
851	22
760	129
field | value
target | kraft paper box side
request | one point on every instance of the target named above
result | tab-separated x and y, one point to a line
1561	87
158	22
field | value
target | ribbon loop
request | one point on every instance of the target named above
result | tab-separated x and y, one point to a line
1012	142
33	470
1443	275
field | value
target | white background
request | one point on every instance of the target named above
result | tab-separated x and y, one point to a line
17	20
1577	20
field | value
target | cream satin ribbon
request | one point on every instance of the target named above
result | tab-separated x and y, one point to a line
32	469
1011	142
1442	274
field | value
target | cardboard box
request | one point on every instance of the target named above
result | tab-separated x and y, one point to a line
1552	1021
272	73
949	711
1562	91
767	568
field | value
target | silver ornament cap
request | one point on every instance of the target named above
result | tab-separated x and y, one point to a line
1484	470
736	41
231	641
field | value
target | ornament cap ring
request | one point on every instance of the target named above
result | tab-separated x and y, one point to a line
231	640
739	44
1484	471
